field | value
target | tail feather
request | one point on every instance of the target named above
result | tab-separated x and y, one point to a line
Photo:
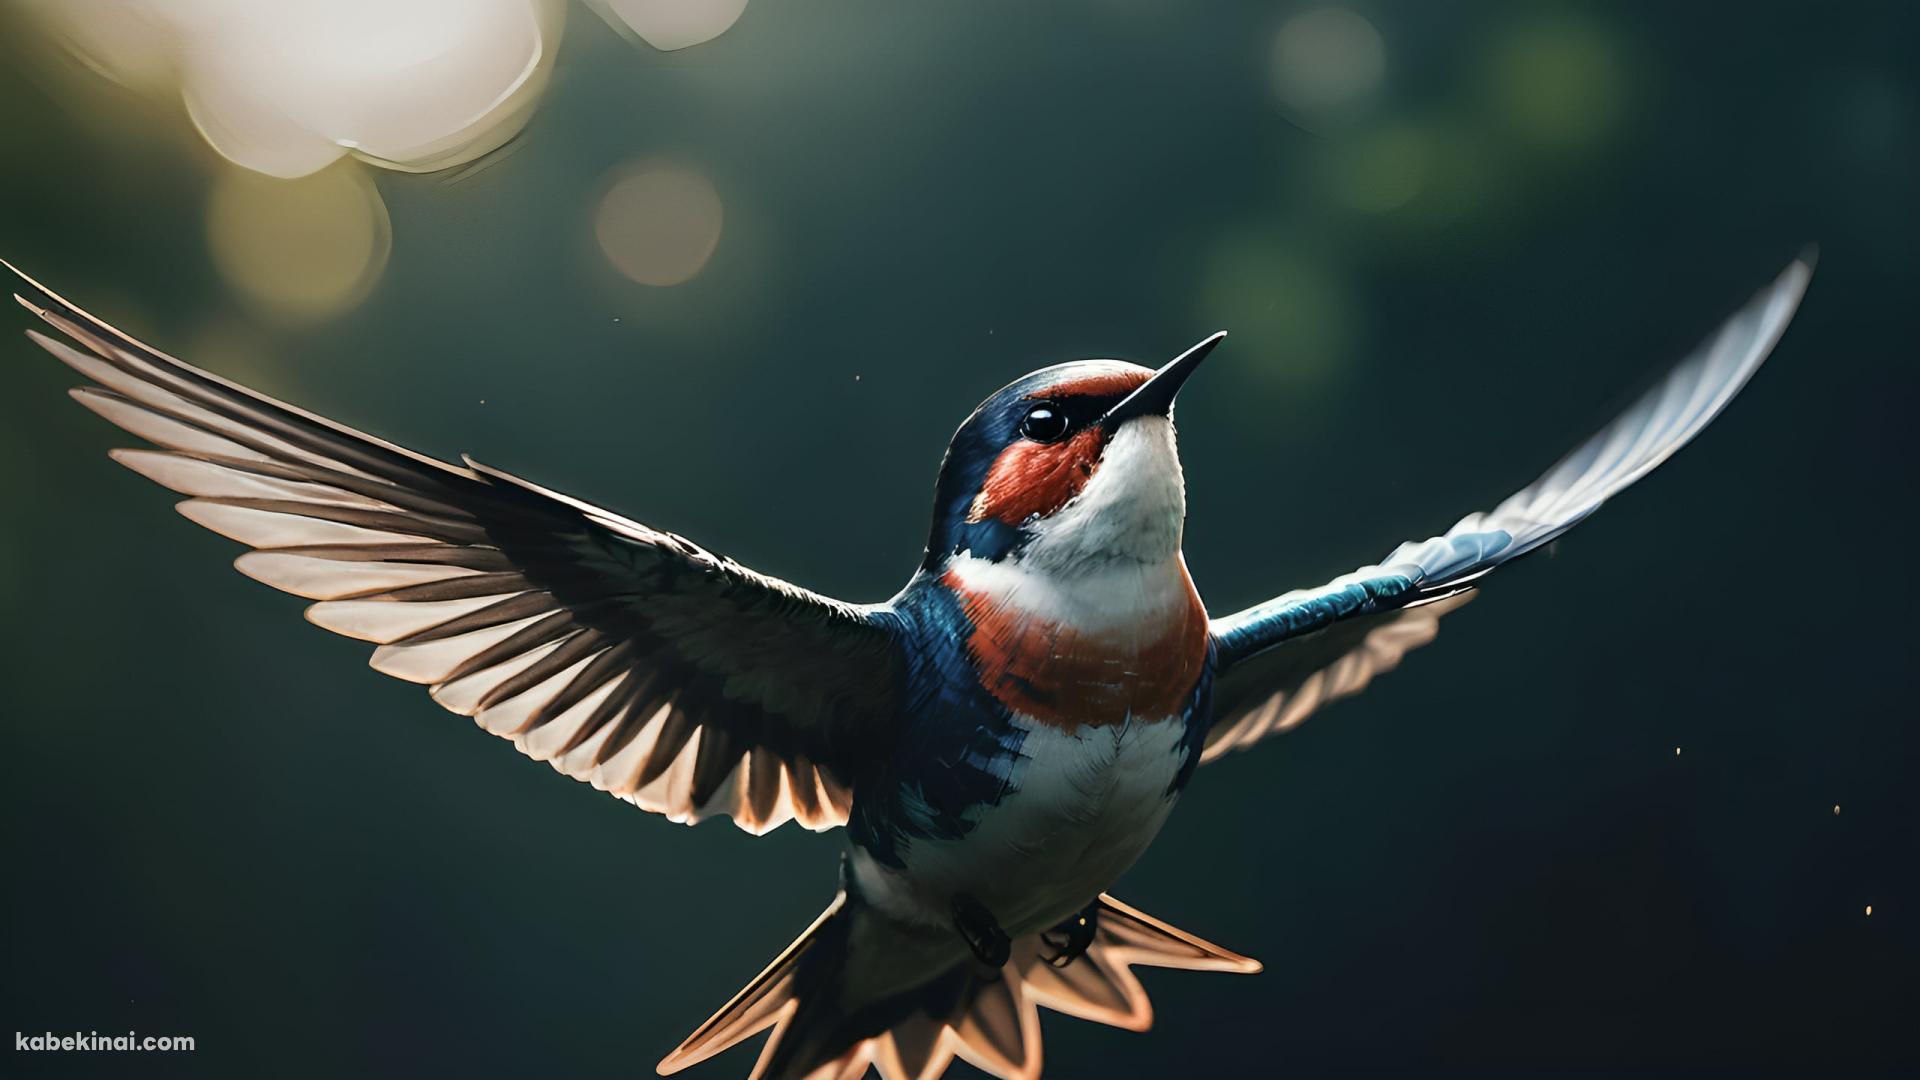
997	1029
991	1022
915	1043
1101	985
768	1001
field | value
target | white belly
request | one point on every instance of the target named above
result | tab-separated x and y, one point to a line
1084	804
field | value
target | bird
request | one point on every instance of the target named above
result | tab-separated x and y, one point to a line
998	742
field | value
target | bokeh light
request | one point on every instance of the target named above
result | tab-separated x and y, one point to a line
1466	174
1380	170
128	42
1293	314
671	24
299	250
286	89
1327	63
1558	82
659	222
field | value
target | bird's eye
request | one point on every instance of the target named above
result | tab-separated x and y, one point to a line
1043	423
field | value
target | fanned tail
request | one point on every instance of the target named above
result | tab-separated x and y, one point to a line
851	994
1101	986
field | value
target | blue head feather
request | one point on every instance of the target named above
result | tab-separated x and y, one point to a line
991	428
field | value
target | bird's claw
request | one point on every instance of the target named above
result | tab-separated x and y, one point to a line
1074	937
981	931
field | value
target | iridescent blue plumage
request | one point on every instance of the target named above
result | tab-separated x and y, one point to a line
958	754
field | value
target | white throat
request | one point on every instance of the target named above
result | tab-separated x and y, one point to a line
1108	561
1131	511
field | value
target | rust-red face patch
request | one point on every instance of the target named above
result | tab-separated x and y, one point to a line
1030	478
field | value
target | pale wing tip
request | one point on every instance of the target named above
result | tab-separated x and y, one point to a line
1784	295
1799	272
1777	304
25	278
50	344
143	460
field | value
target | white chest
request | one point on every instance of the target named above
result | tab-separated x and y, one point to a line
1082	806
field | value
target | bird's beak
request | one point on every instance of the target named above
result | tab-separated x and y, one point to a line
1155	396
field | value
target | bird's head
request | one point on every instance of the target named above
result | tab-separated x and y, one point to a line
1069	467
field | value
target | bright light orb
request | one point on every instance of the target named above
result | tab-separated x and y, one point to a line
658	223
1560	82
1380	171
299	250
287	89
671	24
1326	62
123	40
1292	310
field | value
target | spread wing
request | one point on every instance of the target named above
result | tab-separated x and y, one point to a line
628	658
1280	661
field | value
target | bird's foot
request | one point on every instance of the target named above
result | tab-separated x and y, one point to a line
981	931
1071	939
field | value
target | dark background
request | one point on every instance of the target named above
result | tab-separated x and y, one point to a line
218	822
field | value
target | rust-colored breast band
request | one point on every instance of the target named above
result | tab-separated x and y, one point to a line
1066	679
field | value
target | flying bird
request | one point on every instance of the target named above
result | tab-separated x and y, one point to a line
999	741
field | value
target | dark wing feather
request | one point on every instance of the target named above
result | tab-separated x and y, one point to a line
626	657
1280	661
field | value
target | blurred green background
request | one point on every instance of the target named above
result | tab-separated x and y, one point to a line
1444	257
